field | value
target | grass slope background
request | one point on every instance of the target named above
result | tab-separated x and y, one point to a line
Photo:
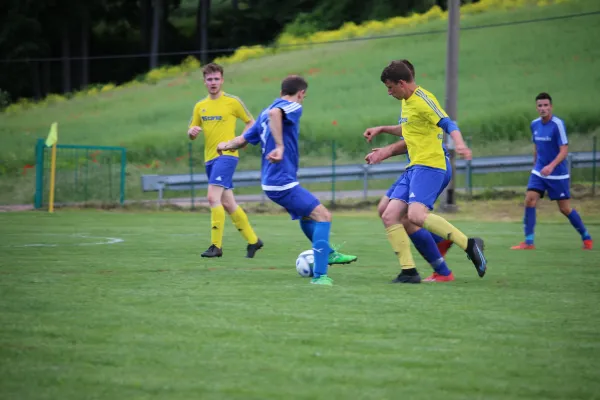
501	70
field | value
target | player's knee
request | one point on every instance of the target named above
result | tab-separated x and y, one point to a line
530	201
565	209
390	217
416	216
230	205
214	200
381	210
321	214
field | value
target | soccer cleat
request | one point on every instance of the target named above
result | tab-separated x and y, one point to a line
338	258
322	280
212	251
251	249
435	277
475	247
588	244
523	246
406	278
444	246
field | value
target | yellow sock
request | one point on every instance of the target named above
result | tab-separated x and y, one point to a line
439	226
240	220
401	244
217	222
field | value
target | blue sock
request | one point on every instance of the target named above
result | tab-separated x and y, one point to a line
577	223
308	227
437	238
321	247
529	224
425	244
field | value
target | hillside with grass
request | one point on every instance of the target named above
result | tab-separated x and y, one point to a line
501	70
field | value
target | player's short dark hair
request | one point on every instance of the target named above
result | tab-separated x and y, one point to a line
396	71
211	69
292	85
410	66
543	96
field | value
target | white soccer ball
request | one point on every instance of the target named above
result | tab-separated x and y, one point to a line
305	263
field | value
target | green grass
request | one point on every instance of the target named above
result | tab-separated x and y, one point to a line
148	318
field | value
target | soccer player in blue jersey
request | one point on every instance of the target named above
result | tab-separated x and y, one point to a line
550	172
277	131
423	123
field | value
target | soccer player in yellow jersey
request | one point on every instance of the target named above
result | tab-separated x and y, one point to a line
422	125
216	116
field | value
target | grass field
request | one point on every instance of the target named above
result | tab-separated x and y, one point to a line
118	305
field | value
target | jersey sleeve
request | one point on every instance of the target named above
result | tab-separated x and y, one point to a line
561	132
431	109
195	120
252	135
292	112
240	111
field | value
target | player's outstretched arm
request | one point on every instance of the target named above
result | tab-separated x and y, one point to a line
451	128
377	155
234	144
276	128
370	133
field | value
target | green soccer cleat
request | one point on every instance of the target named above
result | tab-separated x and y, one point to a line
338	258
322	280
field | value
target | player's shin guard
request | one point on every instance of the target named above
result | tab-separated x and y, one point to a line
398	238
577	223
320	244
439	226
241	222
425	245
529	225
217	222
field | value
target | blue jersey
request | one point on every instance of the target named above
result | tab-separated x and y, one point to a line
548	137
283	175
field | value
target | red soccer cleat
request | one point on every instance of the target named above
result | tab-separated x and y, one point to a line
435	277
444	246
523	246
588	244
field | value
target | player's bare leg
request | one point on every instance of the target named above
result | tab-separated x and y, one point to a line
443	245
392	217
531	199
241	222
217	221
419	215
565	208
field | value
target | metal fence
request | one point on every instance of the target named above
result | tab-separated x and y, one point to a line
84	174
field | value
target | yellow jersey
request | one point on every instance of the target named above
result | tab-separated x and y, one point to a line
421	113
217	118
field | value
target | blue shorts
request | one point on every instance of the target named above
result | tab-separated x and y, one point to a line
297	201
220	171
558	189
420	184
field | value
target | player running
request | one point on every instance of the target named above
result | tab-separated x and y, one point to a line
550	172
277	131
418	188
216	116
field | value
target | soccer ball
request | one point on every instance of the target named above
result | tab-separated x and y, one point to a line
305	263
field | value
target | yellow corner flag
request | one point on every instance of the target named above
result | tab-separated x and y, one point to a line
53	135
51	141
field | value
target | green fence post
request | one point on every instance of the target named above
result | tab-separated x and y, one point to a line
594	167
333	172
39	173
469	174
191	162
123	175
